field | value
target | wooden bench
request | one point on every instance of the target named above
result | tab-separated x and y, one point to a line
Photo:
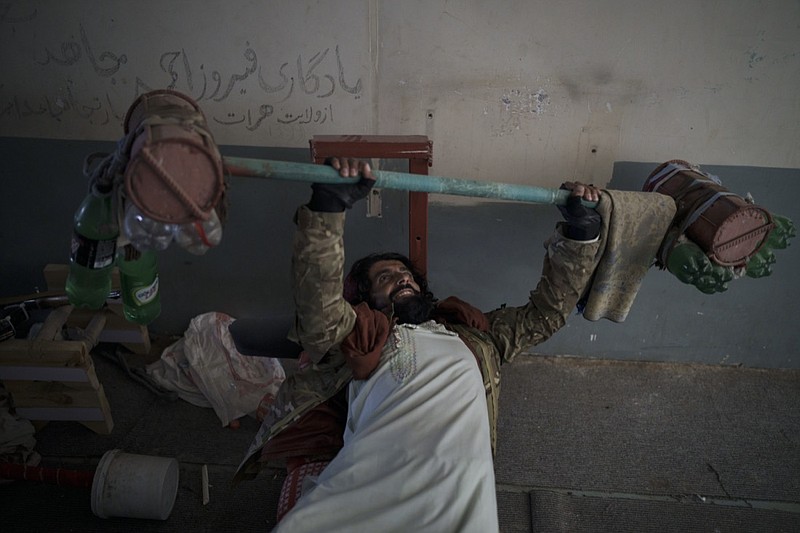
53	379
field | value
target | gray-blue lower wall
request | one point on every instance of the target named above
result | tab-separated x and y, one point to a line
491	254
488	254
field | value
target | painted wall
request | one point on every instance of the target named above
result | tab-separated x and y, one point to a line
521	91
534	91
524	92
265	73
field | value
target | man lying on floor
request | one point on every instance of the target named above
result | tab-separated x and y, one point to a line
389	425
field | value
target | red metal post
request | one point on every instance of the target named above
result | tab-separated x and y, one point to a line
418	149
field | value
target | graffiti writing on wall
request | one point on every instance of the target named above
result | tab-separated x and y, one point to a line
252	93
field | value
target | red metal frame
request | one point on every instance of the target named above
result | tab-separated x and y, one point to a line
418	149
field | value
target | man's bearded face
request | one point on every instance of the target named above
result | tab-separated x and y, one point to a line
413	309
394	290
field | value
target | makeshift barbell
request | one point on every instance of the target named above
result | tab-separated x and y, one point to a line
312	173
174	173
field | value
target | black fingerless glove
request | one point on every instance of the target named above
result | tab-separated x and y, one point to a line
335	198
583	223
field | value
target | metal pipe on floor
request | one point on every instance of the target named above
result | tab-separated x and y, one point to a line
56	476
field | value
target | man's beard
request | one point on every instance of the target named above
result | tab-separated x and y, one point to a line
414	309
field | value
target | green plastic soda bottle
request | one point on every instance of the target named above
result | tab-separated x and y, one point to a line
138	276
94	243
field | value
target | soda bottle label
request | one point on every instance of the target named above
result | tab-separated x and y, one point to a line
92	253
144	295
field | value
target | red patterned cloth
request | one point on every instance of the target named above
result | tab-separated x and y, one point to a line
362	347
297	471
315	436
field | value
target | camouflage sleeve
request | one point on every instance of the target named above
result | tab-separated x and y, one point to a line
323	317
567	270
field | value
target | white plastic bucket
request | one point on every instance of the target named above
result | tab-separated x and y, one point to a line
134	486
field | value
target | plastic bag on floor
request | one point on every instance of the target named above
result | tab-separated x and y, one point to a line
16	435
205	369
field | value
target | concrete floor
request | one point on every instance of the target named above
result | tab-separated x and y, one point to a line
584	446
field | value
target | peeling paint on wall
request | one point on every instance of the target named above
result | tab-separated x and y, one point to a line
524	101
518	105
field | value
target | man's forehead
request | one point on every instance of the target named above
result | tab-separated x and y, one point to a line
386	265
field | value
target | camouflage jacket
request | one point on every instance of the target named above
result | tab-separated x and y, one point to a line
324	319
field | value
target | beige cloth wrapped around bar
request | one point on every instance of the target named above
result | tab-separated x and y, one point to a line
634	225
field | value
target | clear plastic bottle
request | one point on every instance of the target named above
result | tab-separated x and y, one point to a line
94	242
138	275
145	233
199	236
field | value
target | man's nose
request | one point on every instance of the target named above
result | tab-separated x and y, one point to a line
403	278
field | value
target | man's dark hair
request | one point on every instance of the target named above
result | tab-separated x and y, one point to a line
359	276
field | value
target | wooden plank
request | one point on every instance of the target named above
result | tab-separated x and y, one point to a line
37	353
53	393
118	329
70	361
101	428
105	426
54	323
40	400
48	373
44	353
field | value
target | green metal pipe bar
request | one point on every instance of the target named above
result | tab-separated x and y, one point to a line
313	173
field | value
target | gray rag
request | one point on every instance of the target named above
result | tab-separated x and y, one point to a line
634	225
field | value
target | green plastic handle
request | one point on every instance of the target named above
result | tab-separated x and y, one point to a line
313	173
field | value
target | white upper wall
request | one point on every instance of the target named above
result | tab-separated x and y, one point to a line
515	91
268	73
